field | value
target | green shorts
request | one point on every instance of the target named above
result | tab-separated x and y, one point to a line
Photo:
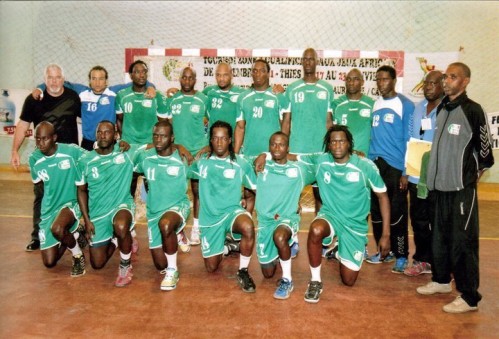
266	249
47	239
104	229
155	239
213	236
351	242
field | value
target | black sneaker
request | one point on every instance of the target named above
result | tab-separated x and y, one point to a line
313	292
33	246
82	239
78	268
245	281
231	246
332	253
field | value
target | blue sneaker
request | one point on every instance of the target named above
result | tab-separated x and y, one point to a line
376	259
284	289
400	265
366	254
295	248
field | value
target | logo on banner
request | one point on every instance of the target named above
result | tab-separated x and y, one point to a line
173	68
426	68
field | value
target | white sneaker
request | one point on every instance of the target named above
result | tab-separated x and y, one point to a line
183	243
459	305
195	236
170	280
434	287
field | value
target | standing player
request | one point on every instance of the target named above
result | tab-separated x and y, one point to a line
105	202
168	205
186	112
56	166
392	113
221	175
310	115
278	194
222	97
341	174
354	110
259	116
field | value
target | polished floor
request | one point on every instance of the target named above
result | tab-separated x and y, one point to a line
36	302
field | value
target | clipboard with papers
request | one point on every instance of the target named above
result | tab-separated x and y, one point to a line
415	150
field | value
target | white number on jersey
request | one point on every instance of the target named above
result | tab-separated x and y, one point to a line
95	172
257	112
91	107
299	97
376	120
151	174
216	103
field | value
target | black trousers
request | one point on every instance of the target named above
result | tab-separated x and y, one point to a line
398	210
420	211
455	241
37	210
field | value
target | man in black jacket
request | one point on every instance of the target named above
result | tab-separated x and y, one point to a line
460	153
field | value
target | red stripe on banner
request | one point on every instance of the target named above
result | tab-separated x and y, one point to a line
244	53
279	53
131	53
398	56
350	54
208	52
173	52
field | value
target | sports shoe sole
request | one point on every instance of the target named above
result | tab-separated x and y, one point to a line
169	288
285	297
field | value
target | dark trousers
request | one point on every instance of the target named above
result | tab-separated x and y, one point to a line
455	241
37	210
420	210
398	210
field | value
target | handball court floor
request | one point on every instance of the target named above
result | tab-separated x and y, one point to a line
36	302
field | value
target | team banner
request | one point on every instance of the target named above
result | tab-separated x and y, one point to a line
494	128
165	66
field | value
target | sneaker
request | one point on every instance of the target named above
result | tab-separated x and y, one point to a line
33	246
284	289
245	281
332	252
376	259
366	254
434	287
313	292
295	248
417	268
183	242
124	276
170	280
231	246
459	305
78	268
400	265
195	236
82	239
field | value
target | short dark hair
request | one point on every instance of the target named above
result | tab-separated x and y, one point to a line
281	134
338	128
267	65
164	123
389	69
97	68
132	65
466	70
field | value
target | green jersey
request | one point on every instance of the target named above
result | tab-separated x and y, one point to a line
167	180
139	115
108	178
222	105
310	105
188	113
278	189
357	115
220	185
345	189
59	173
262	111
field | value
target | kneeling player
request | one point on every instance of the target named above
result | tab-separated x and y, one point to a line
345	181
278	193
221	175
55	166
168	205
106	203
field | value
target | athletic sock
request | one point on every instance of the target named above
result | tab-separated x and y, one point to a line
75	250
172	260
286	268
316	273
244	261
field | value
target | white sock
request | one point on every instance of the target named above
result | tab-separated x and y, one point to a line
244	261
316	273
75	250
172	260
76	235
125	257
286	268
195	224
